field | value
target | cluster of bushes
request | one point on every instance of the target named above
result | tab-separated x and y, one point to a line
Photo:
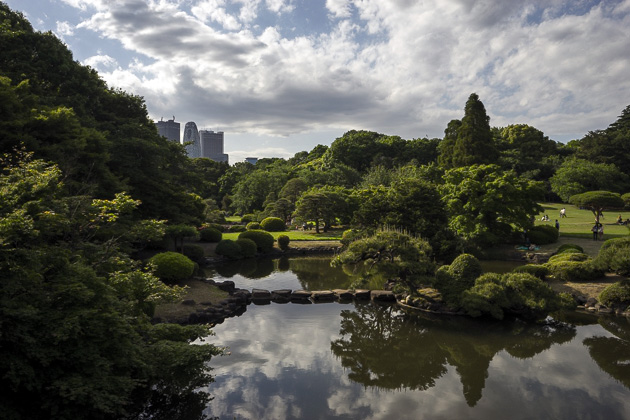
570	263
520	294
247	245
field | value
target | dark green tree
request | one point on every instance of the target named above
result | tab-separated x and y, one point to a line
474	144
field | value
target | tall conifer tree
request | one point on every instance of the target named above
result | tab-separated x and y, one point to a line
474	144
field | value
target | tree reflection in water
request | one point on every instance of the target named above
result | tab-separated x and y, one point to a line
612	354
386	348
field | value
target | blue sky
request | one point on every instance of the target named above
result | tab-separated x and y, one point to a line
281	76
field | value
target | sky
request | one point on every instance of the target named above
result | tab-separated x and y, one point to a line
282	76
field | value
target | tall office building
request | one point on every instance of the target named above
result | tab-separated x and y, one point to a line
192	135
168	129
212	145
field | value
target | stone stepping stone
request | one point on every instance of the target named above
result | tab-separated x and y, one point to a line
300	296
362	294
383	296
261	294
343	294
323	296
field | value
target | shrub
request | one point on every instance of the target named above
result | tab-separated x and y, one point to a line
273	224
574	270
614	255
454	279
264	240
172	266
247	247
616	294
228	248
237	228
542	235
537	270
210	235
194	252
247	218
253	226
283	242
568	256
520	294
569	248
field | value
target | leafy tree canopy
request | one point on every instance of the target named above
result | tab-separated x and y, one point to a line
483	202
576	176
598	201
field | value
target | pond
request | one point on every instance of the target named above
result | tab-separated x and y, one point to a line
369	361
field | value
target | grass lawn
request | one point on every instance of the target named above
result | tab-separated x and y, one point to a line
578	223
298	235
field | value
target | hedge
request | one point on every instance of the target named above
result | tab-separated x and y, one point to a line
273	224
616	294
576	271
172	266
264	240
210	235
247	246
283	242
228	248
194	252
253	226
536	270
569	248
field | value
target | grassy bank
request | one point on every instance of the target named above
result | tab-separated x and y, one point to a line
578	223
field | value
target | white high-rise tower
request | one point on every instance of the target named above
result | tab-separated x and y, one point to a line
192	135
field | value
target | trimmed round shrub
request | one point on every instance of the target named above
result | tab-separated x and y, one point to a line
576	271
172	266
228	248
569	248
543	234
253	226
273	224
537	270
210	235
616	294
247	218
247	246
568	256
264	240
194	252
615	258
283	242
237	228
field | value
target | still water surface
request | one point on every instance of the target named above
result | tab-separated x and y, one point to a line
366	361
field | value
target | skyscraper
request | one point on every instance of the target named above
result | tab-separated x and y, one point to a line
168	129
212	145
192	135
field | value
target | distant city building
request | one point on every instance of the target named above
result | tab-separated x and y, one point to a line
251	160
212	145
168	129
192	135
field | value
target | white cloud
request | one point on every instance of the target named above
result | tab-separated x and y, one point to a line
280	6
65	29
339	8
100	62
